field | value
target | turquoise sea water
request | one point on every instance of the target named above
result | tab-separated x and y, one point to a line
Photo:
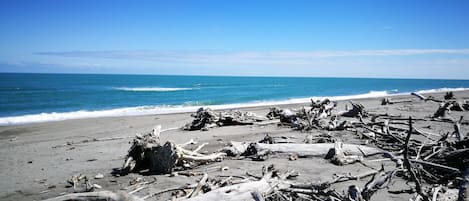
26	98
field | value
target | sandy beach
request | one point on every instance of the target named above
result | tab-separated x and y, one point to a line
36	160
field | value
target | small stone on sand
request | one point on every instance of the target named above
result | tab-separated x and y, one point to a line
99	176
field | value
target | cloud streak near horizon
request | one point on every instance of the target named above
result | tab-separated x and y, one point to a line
246	57
399	63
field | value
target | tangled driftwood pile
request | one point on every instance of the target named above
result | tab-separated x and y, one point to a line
146	153
320	115
206	118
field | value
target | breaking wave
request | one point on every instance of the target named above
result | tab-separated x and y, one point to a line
442	90
162	109
151	89
149	110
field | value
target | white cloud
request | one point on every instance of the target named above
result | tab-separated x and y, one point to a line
247	57
435	63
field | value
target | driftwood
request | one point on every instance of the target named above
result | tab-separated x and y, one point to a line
449	95
322	108
379	181
389	101
243	191
273	184
81	183
96	196
206	118
410	167
302	150
146	152
424	98
274	113
443	110
356	111
338	157
318	116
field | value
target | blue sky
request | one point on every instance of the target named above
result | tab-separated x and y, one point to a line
408	39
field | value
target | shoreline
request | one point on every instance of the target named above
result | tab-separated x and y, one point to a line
180	109
38	159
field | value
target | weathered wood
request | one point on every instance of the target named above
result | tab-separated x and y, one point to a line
463	189
146	152
409	166
96	196
236	192
424	98
389	101
378	181
418	95
449	95
356	111
339	157
197	189
302	150
206	118
243	191
443	110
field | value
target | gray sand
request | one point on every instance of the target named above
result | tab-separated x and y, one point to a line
35	161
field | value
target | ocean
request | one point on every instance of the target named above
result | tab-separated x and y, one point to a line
32	98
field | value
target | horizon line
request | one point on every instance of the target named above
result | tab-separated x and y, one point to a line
251	76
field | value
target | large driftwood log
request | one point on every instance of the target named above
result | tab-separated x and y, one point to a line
96	196
424	98
302	150
243	191
389	101
251	190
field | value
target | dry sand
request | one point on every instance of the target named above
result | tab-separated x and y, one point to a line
35	161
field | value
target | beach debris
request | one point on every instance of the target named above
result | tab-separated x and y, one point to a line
319	116
338	157
285	115
436	161
81	183
357	110
274	113
379	181
445	108
424	98
449	95
206	118
389	101
69	143
96	196
99	176
146	152
301	150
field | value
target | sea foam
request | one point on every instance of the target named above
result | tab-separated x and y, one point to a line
151	110
161	89
442	90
